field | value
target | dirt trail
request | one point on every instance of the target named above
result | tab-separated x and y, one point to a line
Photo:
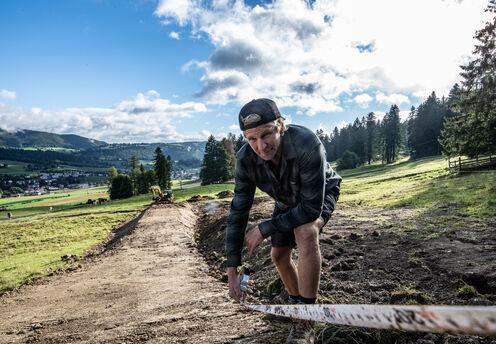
152	286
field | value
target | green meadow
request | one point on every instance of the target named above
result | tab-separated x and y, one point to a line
32	243
14	167
424	185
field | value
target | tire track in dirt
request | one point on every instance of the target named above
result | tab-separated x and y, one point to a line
151	287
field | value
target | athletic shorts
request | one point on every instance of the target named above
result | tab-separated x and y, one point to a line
280	238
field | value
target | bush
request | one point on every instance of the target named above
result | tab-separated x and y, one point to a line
121	187
348	160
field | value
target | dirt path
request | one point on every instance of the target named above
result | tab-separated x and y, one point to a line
72	199
152	286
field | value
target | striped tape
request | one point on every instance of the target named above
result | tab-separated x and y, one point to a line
468	320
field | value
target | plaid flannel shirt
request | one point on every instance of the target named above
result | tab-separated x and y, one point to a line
305	179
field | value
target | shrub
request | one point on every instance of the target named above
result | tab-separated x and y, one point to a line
348	160
121	187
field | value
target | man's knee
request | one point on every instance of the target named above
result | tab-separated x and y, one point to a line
307	233
281	255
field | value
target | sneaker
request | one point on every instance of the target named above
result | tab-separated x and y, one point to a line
301	333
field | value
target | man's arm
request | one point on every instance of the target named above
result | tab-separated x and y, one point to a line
237	219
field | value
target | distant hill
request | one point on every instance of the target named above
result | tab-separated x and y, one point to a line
92	153
186	154
40	139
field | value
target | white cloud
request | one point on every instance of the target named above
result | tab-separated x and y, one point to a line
310	54
205	134
234	127
394	98
174	35
4	94
342	124
363	100
147	118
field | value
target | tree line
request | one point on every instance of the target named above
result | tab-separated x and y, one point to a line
464	123
139	180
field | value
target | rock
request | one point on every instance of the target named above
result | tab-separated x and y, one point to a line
355	236
432	337
342	266
479	301
327	241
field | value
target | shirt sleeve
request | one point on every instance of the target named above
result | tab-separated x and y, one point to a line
312	179
237	219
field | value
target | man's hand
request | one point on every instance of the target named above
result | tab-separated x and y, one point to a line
253	239
234	287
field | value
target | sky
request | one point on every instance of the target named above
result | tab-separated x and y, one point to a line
180	70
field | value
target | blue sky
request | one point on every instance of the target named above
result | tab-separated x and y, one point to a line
179	70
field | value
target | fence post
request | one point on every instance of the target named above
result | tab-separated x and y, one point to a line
459	163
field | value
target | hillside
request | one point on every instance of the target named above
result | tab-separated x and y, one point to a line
188	154
41	148
40	139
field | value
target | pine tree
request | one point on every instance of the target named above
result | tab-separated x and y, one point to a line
371	128
216	163
143	186
391	135
134	163
160	168
473	131
121	187
425	125
168	171
112	173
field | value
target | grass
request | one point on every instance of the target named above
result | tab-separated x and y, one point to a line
37	205
466	292
14	167
421	184
206	190
32	246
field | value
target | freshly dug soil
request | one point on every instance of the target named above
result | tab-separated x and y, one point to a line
366	261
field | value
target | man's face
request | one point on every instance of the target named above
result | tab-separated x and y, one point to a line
265	140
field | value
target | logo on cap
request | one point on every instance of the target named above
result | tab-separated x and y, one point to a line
251	119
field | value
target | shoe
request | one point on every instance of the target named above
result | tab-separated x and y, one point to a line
301	332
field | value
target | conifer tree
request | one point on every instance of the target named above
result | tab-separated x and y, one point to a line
473	131
371	128
216	163
391	135
112	173
160	168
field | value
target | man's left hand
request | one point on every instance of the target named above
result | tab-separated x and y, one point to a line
252	239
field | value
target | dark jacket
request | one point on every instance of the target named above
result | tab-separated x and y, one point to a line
305	180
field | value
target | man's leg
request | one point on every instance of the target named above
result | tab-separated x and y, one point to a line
281	256
309	258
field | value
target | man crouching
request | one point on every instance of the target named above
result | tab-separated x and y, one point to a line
288	163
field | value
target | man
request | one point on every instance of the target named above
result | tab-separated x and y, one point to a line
288	163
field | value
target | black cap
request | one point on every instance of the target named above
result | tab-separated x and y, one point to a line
258	112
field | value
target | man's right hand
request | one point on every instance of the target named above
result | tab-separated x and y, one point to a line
234	286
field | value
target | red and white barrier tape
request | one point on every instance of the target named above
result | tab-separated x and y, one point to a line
469	320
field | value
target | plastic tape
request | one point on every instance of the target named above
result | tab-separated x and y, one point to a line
469	320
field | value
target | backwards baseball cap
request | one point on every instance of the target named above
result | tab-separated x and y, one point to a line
258	112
